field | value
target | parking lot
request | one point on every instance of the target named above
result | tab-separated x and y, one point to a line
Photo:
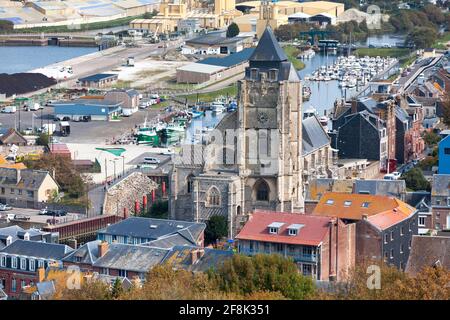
34	216
80	132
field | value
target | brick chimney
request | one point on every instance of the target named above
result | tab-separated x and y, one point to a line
40	274
125	213
354	106
102	248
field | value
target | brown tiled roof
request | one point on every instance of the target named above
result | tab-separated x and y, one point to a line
12	136
312	233
381	211
427	251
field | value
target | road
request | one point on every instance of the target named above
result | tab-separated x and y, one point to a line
35	217
80	132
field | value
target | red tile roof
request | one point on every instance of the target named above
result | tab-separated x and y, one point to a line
382	211
312	233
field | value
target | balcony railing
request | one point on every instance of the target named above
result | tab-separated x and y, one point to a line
296	257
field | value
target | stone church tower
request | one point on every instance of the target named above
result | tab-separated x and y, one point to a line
270	108
254	157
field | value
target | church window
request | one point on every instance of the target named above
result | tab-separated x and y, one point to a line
190	183
213	197
254	74
262	191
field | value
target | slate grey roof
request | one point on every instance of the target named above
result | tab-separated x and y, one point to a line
268	48
37	249
230	60
46	289
368	104
86	254
428	251
129	92
141	227
401	114
131	257
314	136
441	185
31	179
180	258
394	188
213	39
415	198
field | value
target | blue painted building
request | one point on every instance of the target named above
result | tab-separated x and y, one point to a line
444	156
93	109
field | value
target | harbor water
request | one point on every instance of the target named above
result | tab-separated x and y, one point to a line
26	58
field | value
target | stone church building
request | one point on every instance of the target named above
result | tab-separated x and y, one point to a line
253	159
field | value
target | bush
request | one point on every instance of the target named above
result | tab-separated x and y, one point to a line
159	210
43	139
216	228
232	30
415	180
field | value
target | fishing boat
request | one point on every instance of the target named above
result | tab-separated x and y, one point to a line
148	137
217	107
197	114
306	92
173	131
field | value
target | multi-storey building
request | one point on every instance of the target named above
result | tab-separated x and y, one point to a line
384	225
322	247
22	261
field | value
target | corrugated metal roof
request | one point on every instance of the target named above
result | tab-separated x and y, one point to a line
98	77
230	60
201	68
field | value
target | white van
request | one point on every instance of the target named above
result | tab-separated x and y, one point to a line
151	160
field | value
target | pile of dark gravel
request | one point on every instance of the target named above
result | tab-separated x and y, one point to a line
19	83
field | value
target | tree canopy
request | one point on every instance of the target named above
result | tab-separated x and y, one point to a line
216	228
415	180
232	30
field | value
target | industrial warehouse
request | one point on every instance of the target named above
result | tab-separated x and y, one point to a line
214	69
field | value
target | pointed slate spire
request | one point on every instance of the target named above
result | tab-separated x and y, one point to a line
268	48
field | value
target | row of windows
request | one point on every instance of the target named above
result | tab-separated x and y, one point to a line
390	254
21	263
23	284
402	231
19	192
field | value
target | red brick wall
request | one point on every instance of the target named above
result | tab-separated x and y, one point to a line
440	216
368	243
8	275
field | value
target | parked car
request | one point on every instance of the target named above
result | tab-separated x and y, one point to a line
151	160
5	207
59	213
22	217
45	212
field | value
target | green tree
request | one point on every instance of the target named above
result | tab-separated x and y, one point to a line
6	25
232	30
159	209
117	289
216	228
43	139
415	180
431	138
246	275
422	37
446	109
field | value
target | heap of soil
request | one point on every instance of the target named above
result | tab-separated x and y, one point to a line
20	83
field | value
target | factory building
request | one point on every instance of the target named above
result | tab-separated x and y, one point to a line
215	69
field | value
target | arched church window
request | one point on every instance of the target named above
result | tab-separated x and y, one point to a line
190	183
262	191
213	197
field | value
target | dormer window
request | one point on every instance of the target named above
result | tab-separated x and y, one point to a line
294	229
274	227
365	204
273	74
254	74
347	203
330	201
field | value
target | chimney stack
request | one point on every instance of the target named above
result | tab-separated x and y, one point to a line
73	243
41	274
102	248
365	216
354	106
125	213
